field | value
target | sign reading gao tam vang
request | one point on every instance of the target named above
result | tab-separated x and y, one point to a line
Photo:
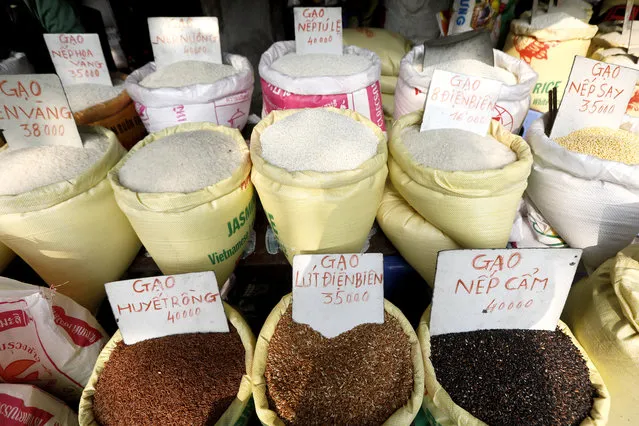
501	289
34	111
333	293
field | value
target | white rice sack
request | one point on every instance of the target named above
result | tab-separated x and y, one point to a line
28	405
512	104
188	91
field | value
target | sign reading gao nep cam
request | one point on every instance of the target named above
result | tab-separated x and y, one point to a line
333	293
147	308
501	289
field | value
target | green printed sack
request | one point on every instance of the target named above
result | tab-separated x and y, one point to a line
315	212
205	230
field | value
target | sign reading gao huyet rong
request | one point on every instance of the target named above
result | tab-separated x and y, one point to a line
318	30
596	95
185	39
147	308
501	289
34	111
333	293
458	101
78	59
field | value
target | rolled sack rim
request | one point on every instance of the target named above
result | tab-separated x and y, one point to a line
313	179
58	192
318	85
162	97
526	76
179	201
522	27
495	181
104	109
548	153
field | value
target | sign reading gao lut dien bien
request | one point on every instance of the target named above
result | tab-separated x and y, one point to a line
501	289
185	39
318	30
147	308
458	101
333	293
78	59
597	95
34	111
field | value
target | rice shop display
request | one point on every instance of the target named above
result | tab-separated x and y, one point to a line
187	193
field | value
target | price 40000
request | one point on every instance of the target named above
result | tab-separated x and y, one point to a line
495	305
340	296
187	313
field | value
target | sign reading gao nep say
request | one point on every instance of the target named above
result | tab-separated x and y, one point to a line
333	293
501	289
597	95
318	30
147	308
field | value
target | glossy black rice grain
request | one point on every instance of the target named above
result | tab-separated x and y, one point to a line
514	377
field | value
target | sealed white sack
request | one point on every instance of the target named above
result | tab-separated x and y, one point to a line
512	104
592	203
360	91
46	339
226	102
29	406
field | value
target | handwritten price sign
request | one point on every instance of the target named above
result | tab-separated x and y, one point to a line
78	58
185	39
501	289
458	101
596	95
318	30
34	111
335	292
147	308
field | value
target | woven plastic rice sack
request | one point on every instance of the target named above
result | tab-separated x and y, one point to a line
234	415
403	416
226	102
389	46
72	232
602	312
592	203
28	405
445	412
204	230
6	256
475	209
416	240
315	212
360	92
549	51
512	103
118	115
47	339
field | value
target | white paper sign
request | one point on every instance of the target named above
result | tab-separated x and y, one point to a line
333	293
78	59
318	30
596	95
501	289
458	101
147	308
185	39
34	111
